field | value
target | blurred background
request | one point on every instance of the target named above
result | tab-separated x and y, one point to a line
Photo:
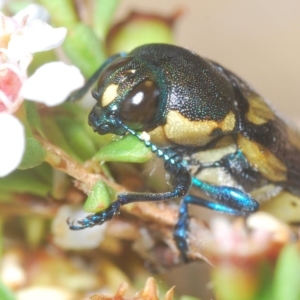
259	40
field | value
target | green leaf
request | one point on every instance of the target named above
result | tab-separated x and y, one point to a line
103	16
41	58
185	297
24	182
33	117
77	137
234	283
84	49
34	154
76	113
286	278
264	277
55	135
127	149
5	293
99	198
44	173
62	12
139	32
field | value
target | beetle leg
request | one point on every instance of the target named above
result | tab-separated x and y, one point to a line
229	200
180	179
96	219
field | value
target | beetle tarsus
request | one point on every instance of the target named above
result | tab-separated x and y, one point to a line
96	219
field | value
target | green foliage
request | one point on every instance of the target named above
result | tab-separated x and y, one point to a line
126	149
99	198
84	49
5	293
286	278
34	154
102	16
62	12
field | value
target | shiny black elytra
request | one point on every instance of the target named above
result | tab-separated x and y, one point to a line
213	131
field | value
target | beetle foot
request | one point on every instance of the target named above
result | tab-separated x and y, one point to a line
96	219
180	236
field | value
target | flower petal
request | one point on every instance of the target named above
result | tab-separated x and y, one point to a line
7	27
32	12
11	80
52	83
36	36
12	139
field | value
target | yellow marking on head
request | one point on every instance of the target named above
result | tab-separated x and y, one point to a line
109	94
259	112
149	83
262	160
183	131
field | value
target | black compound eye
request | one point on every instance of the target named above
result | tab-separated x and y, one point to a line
111	68
141	104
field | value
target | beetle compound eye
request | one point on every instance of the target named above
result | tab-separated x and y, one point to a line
111	68
141	104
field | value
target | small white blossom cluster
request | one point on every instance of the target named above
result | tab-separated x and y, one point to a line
21	36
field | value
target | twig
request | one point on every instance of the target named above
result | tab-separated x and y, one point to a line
162	214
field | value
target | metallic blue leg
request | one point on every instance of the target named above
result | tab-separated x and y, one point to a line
180	179
181	229
229	200
96	219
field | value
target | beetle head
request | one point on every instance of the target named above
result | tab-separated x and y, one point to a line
128	91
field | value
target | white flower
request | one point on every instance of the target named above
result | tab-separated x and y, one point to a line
52	83
35	36
20	37
12	139
32	12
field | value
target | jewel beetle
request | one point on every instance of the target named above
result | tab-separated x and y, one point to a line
213	131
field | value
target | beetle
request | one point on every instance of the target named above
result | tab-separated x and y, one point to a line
213	131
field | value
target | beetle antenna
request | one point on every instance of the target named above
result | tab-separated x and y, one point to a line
160	153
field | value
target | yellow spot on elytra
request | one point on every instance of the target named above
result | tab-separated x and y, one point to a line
228	123
109	95
262	160
259	112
